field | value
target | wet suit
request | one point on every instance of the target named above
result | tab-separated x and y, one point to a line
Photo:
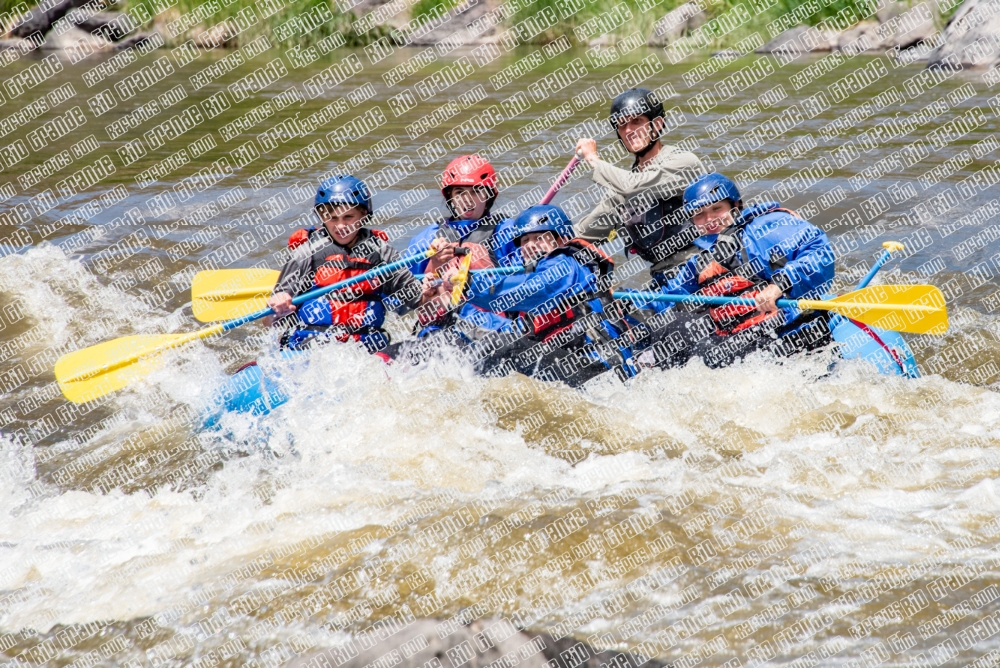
767	245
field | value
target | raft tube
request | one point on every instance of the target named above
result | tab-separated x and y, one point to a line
886	350
250	391
247	391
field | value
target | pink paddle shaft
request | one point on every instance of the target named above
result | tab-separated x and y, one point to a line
561	181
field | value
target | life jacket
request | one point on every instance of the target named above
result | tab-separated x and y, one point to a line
350	307
356	310
547	326
482	234
721	274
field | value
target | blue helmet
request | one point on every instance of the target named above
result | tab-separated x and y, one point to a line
344	189
542	218
708	189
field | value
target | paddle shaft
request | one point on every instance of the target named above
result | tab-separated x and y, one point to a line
801	304
698	299
561	181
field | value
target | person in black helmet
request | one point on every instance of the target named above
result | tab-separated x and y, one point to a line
644	205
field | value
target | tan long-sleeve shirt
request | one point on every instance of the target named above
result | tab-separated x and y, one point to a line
663	177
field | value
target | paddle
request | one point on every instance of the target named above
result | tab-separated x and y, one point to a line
890	247
92	372
458	283
917	309
229	293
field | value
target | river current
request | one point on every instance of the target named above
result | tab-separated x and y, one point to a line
761	512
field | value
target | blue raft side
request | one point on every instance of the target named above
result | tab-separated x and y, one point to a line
856	343
249	391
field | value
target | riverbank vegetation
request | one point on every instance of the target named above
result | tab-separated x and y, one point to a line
308	23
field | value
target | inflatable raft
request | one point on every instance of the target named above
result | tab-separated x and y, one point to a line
250	391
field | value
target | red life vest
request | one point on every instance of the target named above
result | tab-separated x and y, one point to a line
548	325
348	307
718	277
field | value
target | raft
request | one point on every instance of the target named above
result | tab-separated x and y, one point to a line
250	391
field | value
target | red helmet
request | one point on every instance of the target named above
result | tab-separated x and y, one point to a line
469	170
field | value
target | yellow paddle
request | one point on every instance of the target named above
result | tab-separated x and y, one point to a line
461	277
916	309
85	375
224	294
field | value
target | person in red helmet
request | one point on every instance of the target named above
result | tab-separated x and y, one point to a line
469	187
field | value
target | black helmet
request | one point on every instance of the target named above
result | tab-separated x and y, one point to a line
635	102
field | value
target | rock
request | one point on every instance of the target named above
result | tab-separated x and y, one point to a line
676	23
133	41
221	35
113	26
862	37
462	27
969	38
902	27
602	40
16	44
800	39
912	55
532	650
62	38
727	54
41	21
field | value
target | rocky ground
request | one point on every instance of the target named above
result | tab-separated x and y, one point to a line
907	33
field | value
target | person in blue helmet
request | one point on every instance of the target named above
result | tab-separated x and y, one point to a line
338	249
763	252
568	327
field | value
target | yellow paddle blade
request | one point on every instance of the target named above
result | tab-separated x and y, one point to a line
916	309
85	375
225	294
460	279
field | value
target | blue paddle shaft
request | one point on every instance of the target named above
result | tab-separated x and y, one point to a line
698	299
874	270
319	292
488	272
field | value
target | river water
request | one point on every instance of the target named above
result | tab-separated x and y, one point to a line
761	512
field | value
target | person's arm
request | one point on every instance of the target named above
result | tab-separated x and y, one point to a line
555	277
809	267
664	177
597	225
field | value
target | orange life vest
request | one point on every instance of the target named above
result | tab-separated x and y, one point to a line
718	277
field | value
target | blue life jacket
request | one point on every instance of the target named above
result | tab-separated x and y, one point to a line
480	232
768	244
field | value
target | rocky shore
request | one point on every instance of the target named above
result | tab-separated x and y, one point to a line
486	643
903	32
